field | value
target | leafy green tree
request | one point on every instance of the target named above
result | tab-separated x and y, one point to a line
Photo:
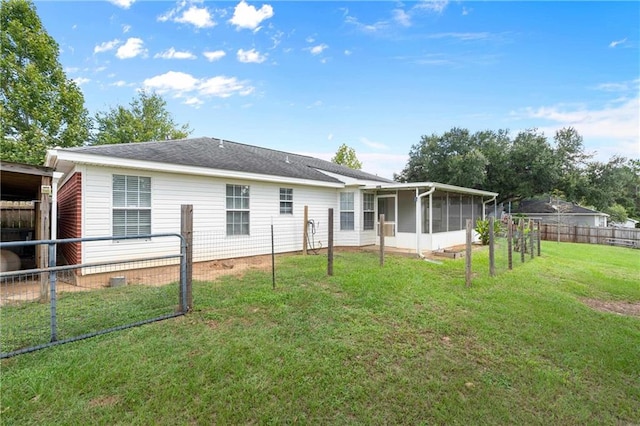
146	119
570	162
614	182
617	213
346	156
39	107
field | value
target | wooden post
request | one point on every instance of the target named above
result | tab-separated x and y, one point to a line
510	243
538	226
531	247
381	225
522	241
467	263
330	245
575	233
492	257
305	229
43	232
273	260
186	230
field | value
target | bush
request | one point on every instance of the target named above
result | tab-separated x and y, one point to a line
482	228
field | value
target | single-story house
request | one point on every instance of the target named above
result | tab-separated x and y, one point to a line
629	223
237	190
555	211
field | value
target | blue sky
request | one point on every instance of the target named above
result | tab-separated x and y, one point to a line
308	76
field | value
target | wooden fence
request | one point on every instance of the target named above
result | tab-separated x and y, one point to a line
628	237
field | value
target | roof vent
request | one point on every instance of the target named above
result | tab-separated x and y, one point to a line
220	143
286	159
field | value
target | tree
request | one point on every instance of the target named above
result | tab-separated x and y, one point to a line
617	213
146	119
39	107
570	162
346	156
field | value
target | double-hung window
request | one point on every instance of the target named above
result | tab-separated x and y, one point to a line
368	216
237	210
131	205
286	201
346	211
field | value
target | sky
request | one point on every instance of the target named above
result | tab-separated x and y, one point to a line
309	76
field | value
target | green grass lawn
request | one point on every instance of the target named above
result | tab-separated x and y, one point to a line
407	343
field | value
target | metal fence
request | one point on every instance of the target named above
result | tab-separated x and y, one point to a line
61	303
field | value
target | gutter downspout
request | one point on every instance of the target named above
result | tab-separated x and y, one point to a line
484	207
54	204
419	217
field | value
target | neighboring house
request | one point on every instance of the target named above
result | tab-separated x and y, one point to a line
629	223
555	211
237	191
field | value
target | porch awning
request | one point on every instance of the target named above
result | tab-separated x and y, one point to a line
431	185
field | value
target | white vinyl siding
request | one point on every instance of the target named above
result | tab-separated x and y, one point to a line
347	213
237	209
131	205
286	201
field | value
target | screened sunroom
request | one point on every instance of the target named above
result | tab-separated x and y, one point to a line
426	216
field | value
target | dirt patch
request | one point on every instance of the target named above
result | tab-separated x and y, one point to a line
614	307
104	401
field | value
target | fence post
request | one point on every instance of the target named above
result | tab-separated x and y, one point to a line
186	230
381	225
492	257
521	240
305	230
330	245
531	238
538	226
510	243
273	260
53	277
467	263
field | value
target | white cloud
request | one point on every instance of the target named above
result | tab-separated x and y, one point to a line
131	48
185	85
617	42
248	17
81	80
126	29
437	6
214	55
309	39
367	28
193	101
125	4
199	17
348	52
251	56
99	69
372	144
119	83
466	11
224	87
616	124
172	81
106	46
330	137
172	53
401	17
70	70
316	50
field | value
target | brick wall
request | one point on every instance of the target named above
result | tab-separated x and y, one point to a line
70	217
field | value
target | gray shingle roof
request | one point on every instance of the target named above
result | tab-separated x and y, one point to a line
233	156
544	206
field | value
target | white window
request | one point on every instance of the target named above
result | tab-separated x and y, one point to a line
368	216
237	210
346	211
286	201
131	205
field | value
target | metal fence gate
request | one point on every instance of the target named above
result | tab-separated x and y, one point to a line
65	302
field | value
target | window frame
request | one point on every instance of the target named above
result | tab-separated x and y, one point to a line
347	215
122	205
286	204
237	208
368	224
